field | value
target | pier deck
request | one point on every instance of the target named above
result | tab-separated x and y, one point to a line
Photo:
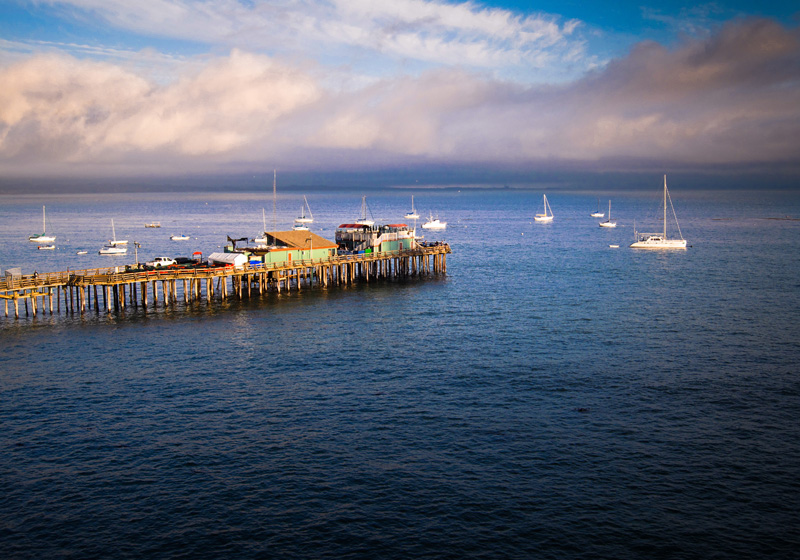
111	289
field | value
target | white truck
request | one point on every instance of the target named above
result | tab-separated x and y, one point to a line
159	262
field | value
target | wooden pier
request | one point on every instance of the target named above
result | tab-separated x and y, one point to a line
113	289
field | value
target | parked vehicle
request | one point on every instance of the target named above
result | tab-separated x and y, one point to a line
160	262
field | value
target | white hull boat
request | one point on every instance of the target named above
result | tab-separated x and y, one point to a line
114	246
303	219
42	237
608	222
180	237
660	240
598	214
434	223
413	214
547	216
363	220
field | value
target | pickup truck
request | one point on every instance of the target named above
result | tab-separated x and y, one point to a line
160	261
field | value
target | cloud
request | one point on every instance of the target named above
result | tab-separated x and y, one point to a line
730	99
432	32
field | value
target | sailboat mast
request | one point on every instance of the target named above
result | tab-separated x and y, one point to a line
665	206
44	228
274	200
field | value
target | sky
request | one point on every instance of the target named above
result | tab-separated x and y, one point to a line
113	88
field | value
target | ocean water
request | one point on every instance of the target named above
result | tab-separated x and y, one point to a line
550	397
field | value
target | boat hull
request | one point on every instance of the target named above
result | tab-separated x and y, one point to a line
42	238
608	224
113	251
543	218
659	243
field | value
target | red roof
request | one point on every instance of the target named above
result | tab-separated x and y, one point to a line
357	226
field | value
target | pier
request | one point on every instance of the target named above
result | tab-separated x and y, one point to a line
113	289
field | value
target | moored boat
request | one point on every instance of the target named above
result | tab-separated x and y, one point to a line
660	240
42	237
608	223
434	223
547	215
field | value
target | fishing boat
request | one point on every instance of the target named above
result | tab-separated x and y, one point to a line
608	222
547	215
363	220
434	223
413	214
660	240
180	237
598	213
303	219
42	237
153	225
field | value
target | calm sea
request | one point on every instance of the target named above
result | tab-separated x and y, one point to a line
551	397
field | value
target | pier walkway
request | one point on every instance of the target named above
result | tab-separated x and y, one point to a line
112	289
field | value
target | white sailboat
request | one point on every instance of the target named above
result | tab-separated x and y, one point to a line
363	220
598	214
303	219
114	246
113	242
608	222
263	237
547	216
434	223
413	214
660	240
42	237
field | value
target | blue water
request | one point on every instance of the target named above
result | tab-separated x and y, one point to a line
551	397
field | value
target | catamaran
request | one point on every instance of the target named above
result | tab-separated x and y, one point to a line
660	240
547	216
42	237
608	222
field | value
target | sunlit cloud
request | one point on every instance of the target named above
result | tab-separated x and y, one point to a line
732	98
